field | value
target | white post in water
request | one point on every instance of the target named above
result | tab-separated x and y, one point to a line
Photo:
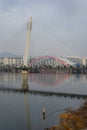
29	28
44	113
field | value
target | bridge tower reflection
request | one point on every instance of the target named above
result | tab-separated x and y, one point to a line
27	111
25	81
25	87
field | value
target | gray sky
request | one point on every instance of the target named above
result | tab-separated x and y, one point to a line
59	26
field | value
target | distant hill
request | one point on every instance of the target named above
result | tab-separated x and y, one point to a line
9	55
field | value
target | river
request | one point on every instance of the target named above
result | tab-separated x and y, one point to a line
23	110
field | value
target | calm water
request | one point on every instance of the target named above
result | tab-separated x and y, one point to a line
23	111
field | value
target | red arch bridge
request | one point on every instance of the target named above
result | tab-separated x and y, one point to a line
51	61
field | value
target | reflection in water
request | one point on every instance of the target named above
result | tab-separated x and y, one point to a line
48	79
55	79
25	81
27	111
25	87
10	77
46	92
43	80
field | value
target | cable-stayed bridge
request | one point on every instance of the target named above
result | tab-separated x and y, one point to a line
48	52
45	48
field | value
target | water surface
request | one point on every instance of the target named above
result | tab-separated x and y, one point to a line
23	111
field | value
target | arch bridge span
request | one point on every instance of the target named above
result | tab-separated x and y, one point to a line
50	61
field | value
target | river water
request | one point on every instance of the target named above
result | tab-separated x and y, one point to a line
23	111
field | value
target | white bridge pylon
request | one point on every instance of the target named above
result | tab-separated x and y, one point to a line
29	28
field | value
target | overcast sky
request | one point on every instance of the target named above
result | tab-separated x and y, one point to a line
59	26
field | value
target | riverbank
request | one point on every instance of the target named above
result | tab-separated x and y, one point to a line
73	119
69	70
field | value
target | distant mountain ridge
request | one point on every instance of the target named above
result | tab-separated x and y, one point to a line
9	55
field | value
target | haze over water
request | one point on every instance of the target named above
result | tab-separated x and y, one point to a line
23	111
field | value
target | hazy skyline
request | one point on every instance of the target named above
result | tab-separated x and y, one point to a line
59	26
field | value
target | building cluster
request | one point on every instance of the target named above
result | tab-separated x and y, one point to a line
18	61
75	59
80	61
84	61
15	61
